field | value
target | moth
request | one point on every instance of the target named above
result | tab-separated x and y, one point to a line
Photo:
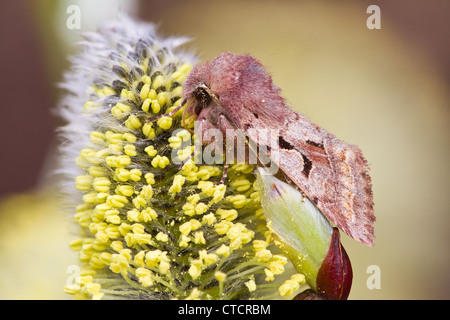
236	91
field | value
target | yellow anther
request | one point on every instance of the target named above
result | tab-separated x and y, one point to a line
207	187
124	228
112	232
97	171
156	107
149	178
209	219
135	174
152	94
89	106
133	215
160	162
288	287
143	94
180	74
116	201
174	142
105	257
208	258
146	105
151	151
276	264
153	257
90	197
259	245
184	135
125	190
164	267
242	167
195	294
101	184
241	185
176	92
115	147
222	227
127	94
158	81
189	209
137	238
129	137
238	200
193	199
114	219
138	228
164	122
133	122
298	277
196	268
184	241
255	196
228	215
223	250
201	208
106	91
97	137
162	98
145	276
148	131
189	167
146	192
118	161
269	275
139	201
219	193
263	255
119	264
220	276
116	246
178	182
251	285
148	214
161	236
122	174
130	150
199	237
83	183
146	79
76	244
189	226
139	259
120	109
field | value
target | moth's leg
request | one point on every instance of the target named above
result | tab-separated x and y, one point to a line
225	173
191	157
224	124
169	114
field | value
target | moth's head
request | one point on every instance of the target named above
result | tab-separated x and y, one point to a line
221	77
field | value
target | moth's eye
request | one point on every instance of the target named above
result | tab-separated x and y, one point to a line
203	99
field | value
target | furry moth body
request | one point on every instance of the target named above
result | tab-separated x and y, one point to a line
235	91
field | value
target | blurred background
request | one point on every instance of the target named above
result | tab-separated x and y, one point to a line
385	90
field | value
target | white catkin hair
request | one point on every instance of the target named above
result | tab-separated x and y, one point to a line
93	64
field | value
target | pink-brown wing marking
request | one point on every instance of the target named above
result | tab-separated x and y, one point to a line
332	174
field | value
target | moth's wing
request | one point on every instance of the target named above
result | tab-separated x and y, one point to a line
332	174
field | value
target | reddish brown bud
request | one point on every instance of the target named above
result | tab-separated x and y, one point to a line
334	278
308	295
